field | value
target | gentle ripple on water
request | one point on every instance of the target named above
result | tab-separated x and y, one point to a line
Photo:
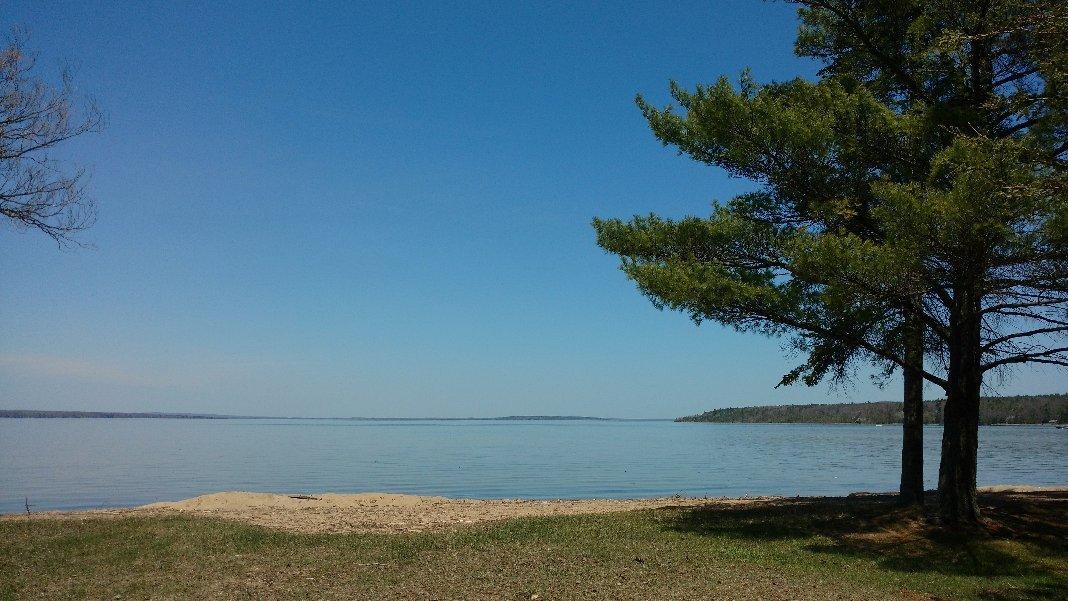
79	463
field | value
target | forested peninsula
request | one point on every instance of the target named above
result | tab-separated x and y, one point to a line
1035	409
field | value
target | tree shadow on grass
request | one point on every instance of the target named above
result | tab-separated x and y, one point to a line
873	527
1041	592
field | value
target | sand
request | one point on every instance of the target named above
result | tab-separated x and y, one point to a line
369	512
395	513
381	512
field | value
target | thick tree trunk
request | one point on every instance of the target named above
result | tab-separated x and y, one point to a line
960	438
911	490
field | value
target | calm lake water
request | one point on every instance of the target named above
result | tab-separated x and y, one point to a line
81	463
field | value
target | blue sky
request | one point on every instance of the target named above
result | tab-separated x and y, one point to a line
382	209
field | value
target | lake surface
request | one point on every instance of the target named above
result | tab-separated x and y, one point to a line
84	463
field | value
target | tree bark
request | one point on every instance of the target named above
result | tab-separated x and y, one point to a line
960	435
911	489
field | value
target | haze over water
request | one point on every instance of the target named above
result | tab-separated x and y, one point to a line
84	463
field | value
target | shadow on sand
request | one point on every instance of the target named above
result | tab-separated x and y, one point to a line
873	527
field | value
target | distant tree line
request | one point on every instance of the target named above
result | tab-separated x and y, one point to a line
17	413
40	413
1037	409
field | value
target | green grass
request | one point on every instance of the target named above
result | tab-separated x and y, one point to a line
799	549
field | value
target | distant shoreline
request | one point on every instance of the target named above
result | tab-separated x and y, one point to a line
993	411
42	414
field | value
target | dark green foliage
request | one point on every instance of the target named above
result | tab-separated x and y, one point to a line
923	179
1037	409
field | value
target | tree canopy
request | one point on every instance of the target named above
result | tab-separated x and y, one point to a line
921	178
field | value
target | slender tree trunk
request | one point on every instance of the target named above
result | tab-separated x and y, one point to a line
911	490
960	438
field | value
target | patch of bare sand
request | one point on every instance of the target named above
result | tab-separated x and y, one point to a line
380	512
1020	488
373	512
383	512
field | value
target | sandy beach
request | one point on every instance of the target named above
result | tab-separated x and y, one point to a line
396	513
372	512
233	545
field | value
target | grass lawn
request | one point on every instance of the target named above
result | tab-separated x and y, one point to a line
846	548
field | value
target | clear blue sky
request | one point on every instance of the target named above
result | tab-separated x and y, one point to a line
383	209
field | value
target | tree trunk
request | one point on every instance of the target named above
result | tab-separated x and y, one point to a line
960	437
911	490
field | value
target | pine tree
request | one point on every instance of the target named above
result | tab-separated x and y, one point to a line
913	202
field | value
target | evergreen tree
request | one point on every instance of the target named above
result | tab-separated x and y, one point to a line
988	70
913	198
